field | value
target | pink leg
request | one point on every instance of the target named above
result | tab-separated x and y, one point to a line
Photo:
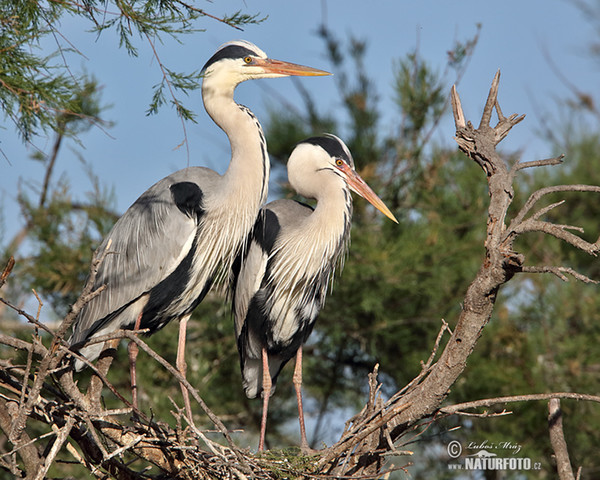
297	379
182	366
132	349
266	384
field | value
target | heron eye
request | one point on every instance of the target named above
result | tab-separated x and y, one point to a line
339	162
247	60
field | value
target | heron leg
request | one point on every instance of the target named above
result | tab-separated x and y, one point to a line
133	349
182	366
266	391
297	379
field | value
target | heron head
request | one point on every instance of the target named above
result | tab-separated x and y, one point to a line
321	163
239	60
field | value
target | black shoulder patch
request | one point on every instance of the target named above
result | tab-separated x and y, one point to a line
230	51
266	229
188	198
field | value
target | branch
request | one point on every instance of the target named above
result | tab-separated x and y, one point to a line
489	402
537	195
423	397
559	272
537	163
177	374
557	440
6	272
558	231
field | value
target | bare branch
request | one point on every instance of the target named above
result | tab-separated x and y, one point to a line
489	402
173	371
559	272
537	163
537	195
557	440
545	210
558	231
6	272
61	437
459	115
491	101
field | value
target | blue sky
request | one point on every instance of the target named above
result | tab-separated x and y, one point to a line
139	150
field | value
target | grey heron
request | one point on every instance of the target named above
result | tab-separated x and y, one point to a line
281	280
182	234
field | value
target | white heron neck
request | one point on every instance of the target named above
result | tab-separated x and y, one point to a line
330	221
247	176
323	237
234	206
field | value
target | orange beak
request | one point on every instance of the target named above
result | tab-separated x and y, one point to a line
286	68
359	186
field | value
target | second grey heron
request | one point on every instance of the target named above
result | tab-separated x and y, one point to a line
281	280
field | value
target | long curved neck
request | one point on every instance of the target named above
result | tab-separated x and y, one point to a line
322	238
331	219
247	176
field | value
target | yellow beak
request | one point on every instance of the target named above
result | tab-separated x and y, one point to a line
359	186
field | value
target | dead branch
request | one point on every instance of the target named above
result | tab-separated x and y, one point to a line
6	272
557	440
559	272
489	402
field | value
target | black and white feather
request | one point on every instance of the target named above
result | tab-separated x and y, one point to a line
281	282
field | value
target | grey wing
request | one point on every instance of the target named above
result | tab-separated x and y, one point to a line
146	245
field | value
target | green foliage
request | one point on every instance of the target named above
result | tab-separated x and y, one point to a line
33	89
37	84
62	232
287	464
63	238
401	280
539	339
420	95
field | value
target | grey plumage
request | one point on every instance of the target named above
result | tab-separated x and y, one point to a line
149	271
270	313
281	280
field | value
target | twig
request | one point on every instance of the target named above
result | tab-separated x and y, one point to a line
27	444
488	402
559	272
170	86
203	12
6	272
490	102
537	163
61	437
124	448
558	231
557	440
173	371
537	195
425	367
